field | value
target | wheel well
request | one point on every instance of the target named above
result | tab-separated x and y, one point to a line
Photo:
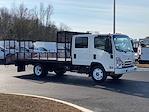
96	64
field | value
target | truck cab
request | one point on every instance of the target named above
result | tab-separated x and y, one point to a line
104	55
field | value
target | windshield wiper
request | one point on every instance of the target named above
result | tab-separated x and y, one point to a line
130	50
121	50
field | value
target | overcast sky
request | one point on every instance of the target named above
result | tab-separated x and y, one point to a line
97	15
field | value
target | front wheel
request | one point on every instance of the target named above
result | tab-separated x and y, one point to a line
116	77
98	74
39	71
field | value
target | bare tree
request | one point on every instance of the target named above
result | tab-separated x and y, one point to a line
5	19
29	24
49	12
64	27
42	13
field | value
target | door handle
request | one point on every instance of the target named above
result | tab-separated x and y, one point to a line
94	56
74	56
111	56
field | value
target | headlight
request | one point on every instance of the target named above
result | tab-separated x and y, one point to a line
119	62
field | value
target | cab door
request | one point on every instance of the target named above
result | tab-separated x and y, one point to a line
103	52
80	50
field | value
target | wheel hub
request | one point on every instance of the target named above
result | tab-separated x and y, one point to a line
38	70
98	74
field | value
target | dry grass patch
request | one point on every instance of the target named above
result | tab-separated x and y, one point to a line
15	103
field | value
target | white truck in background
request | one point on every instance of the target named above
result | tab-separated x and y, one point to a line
97	55
49	46
143	50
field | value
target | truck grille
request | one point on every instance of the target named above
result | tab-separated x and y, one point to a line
127	64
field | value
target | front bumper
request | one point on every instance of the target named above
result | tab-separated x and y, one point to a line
125	70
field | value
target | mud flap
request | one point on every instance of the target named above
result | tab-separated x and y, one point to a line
21	68
2	62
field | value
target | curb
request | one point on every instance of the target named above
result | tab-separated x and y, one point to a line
53	99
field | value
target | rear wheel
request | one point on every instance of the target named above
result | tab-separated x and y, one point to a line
116	77
60	72
39	71
98	74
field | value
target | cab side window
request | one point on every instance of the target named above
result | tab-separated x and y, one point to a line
100	42
81	42
103	43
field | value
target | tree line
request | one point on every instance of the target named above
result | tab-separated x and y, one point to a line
28	24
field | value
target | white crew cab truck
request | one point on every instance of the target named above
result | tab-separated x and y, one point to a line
97	55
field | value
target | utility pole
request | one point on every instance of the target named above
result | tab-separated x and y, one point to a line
114	14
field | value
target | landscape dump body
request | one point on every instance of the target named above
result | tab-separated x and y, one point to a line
21	52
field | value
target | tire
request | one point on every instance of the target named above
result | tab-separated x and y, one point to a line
60	72
39	71
116	77
98	74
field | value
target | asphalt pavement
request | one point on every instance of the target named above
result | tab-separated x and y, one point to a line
130	94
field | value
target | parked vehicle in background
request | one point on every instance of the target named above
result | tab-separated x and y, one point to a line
135	48
23	53
143	50
4	53
9	46
40	50
49	46
45	49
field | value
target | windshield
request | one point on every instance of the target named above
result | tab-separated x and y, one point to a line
123	43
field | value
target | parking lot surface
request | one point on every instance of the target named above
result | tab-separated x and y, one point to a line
130	94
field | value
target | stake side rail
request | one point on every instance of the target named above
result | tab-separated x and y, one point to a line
17	51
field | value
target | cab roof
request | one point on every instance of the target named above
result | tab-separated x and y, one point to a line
94	35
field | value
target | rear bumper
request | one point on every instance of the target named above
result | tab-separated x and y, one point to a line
125	70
